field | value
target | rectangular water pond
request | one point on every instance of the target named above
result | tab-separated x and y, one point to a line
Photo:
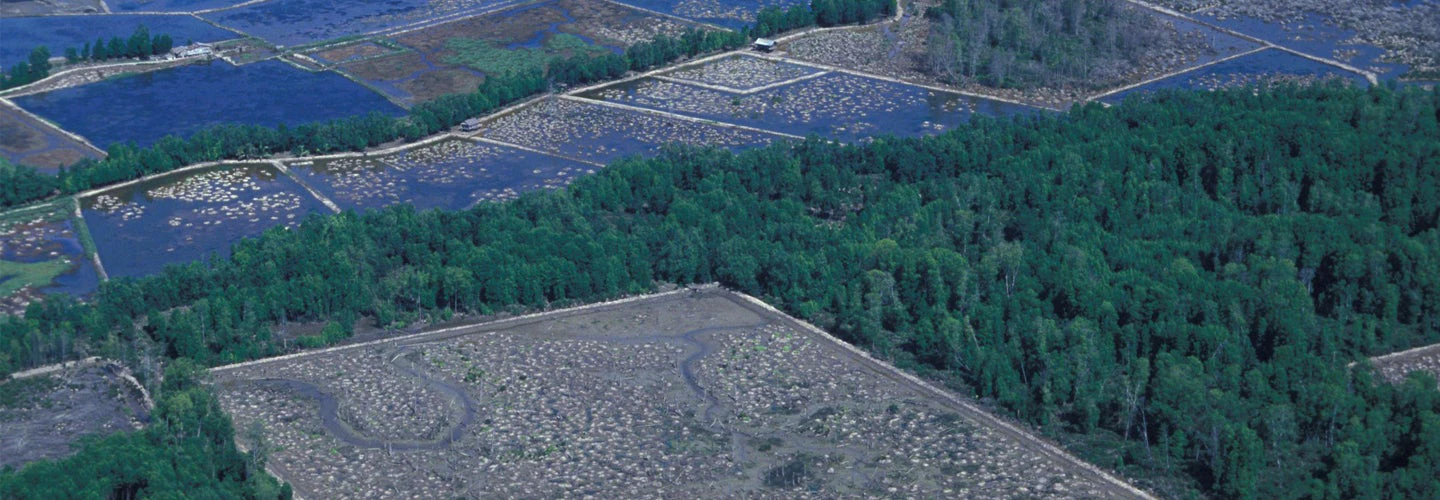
183	100
184	217
41	253
591	131
18	36
301	22
839	106
451	174
1264	67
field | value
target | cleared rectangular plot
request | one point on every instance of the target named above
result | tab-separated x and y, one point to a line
836	105
451	174
740	73
681	395
184	217
595	132
183	100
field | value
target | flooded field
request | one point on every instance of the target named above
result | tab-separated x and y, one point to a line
676	396
733	14
300	22
1265	67
451	174
143	108
41	253
21	35
594	132
741	73
27	141
184	217
835	105
1313	35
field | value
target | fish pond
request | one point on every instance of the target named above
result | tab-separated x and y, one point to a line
594	132
1265	67
835	105
1316	36
25	140
169	5
451	174
303	22
20	35
183	217
42	253
146	107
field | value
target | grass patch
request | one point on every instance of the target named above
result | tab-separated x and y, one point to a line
17	275
491	60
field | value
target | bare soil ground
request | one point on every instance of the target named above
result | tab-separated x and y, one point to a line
688	394
1395	367
41	417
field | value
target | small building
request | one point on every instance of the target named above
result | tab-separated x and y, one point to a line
764	44
470	125
195	50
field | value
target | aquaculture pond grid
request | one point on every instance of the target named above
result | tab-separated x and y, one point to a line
184	217
837	105
450	174
591	131
671	397
740	73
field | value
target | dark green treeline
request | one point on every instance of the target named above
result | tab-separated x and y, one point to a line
1174	288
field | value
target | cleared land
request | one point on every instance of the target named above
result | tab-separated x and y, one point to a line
690	393
40	417
1395	367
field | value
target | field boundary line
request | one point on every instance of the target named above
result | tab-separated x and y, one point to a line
1370	77
488	140
891	79
1413	350
678	116
42	120
1175	73
985	417
322	198
95	255
246	3
476	328
749	91
26	89
651	72
187	168
672	17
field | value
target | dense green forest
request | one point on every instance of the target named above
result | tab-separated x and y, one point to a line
1039	43
23	184
1173	287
